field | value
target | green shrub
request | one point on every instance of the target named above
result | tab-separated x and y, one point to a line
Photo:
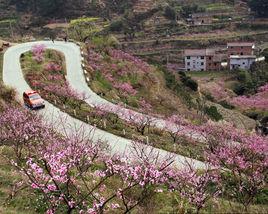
265	54
253	115
8	94
182	73
192	84
226	105
116	25
170	13
187	81
239	89
213	113
209	97
262	197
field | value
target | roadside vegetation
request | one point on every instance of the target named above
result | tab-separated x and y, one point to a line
122	78
69	173
240	91
48	78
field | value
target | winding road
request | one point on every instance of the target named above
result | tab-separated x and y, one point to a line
13	77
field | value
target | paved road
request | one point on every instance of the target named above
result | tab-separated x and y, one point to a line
13	77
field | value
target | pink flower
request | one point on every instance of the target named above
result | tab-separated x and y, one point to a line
34	186
115	206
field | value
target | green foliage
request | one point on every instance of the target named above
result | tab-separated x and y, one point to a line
85	28
226	105
188	82
192	84
250	81
170	13
213	113
44	7
262	197
265	54
105	83
239	89
209	97
260	7
102	42
116	25
173	84
186	10
83	20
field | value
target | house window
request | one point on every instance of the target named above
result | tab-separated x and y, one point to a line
188	63
188	57
202	63
241	53
209	58
209	64
202	69
244	63
241	47
188	69
215	63
202	57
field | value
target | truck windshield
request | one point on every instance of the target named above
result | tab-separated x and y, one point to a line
34	97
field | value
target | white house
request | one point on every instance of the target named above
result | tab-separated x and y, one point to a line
200	60
195	59
241	62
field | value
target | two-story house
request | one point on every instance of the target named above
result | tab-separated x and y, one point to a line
240	55
201	60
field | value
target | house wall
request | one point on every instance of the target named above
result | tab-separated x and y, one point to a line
237	50
241	63
202	20
211	65
195	63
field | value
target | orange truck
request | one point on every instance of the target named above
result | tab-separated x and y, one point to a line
33	100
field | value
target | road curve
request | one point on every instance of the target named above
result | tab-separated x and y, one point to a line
13	77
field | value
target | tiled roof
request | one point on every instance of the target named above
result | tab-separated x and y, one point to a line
245	44
242	56
199	52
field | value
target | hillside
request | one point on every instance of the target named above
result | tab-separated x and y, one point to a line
104	110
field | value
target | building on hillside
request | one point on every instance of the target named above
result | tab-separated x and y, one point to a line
202	60
201	18
240	55
214	61
241	62
240	48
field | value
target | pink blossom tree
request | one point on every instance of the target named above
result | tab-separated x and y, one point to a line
138	120
177	126
256	101
243	158
64	168
52	66
196	187
38	52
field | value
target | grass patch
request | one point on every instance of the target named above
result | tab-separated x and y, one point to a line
8	21
21	202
